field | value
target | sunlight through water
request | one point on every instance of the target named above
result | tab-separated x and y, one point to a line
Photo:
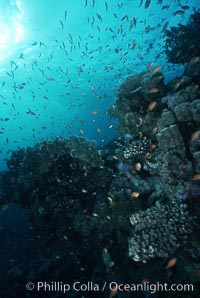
11	28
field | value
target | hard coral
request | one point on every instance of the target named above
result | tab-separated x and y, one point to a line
134	102
29	169
158	231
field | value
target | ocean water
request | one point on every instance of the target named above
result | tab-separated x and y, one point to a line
59	60
63	65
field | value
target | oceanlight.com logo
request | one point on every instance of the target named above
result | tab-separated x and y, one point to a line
146	287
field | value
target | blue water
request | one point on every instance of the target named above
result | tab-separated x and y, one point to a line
62	62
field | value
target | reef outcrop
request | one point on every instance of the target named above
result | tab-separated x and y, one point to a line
130	204
183	41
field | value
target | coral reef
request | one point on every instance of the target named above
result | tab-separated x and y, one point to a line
133	104
164	141
29	168
159	231
94	213
183	41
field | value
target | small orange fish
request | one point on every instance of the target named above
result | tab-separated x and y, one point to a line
149	65
165	27
155	69
105	251
139	56
179	12
140	134
185	7
135	194
153	146
195	135
153	90
154	130
138	166
69	126
113	292
148	28
111	264
134	44
94	112
196	177
151	106
194	60
171	263
194	88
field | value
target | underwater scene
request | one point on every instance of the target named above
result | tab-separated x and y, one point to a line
100	148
